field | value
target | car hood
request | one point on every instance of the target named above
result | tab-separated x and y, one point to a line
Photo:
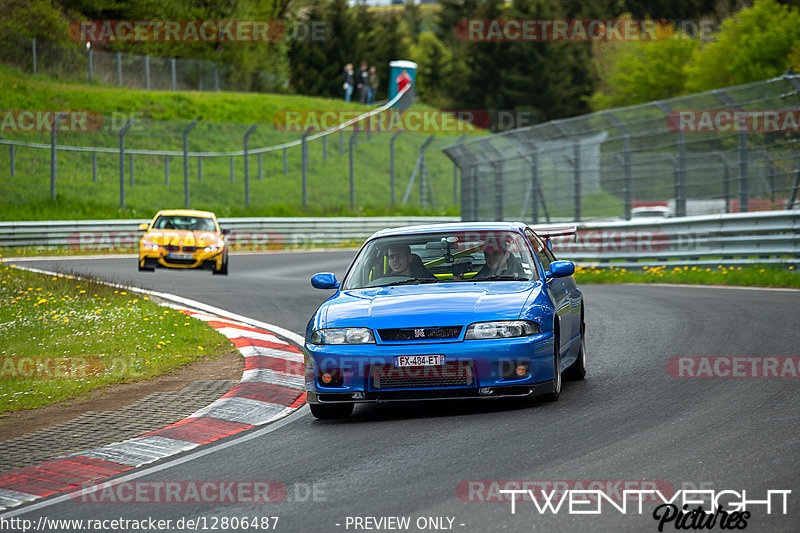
426	305
182	238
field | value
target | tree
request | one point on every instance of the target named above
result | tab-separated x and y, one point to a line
755	44
641	71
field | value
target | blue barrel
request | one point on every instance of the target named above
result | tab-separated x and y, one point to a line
396	68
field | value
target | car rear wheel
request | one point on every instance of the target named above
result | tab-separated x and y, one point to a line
330	411
577	371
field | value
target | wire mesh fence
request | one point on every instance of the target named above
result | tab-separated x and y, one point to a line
127	70
722	151
145	164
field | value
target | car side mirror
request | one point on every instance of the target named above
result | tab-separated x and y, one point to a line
143	226
324	280
560	269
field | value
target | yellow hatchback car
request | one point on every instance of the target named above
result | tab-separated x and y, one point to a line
183	238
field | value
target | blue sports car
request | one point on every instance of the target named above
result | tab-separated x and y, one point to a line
463	310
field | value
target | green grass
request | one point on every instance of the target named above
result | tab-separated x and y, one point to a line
756	275
161	119
64	336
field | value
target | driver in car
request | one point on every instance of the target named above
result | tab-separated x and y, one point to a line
500	262
403	263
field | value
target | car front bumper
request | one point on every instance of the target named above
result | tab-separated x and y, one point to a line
473	369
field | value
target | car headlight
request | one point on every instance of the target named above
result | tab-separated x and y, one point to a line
149	245
501	330
211	248
343	336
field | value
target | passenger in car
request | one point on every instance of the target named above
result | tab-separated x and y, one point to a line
403	263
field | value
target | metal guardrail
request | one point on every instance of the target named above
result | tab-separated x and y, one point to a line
254	233
733	239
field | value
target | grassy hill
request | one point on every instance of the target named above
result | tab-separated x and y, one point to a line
161	117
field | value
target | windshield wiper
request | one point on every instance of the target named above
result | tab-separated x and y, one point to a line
415	281
503	277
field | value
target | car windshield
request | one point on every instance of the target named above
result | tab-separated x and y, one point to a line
186	223
456	256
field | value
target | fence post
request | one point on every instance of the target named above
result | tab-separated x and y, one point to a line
743	173
166	170
94	167
173	69
627	183
122	161
91	64
475	193
35	66
147	72
577	180
425	186
352	171
795	187
391	162
189	128
325	149
536	189
260	166
12	156
216	77
305	165
341	142
199	169
285	161
247	165
119	69
130	169
232	168
456	170
53	156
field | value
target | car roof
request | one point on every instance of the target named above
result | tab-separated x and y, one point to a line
451	226
186	212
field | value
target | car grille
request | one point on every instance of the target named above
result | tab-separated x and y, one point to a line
185	249
174	261
420	334
455	374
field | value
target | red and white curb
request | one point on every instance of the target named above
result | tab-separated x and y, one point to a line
271	388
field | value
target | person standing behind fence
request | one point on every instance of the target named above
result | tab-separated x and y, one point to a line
374	82
348	83
362	82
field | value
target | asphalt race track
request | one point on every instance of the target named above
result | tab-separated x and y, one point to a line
432	463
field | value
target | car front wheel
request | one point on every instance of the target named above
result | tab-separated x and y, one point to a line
330	411
553	396
577	371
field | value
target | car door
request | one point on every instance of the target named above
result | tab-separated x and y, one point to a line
557	290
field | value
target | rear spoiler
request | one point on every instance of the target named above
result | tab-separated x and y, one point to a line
548	232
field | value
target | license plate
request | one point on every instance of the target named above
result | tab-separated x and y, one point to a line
181	256
418	360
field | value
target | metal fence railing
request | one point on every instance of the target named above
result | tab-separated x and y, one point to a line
146	164
136	71
732	239
722	151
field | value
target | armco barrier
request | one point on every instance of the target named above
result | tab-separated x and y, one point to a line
250	233
760	237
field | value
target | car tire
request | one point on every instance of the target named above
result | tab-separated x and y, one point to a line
330	411
577	370
223	271
144	268
557	381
